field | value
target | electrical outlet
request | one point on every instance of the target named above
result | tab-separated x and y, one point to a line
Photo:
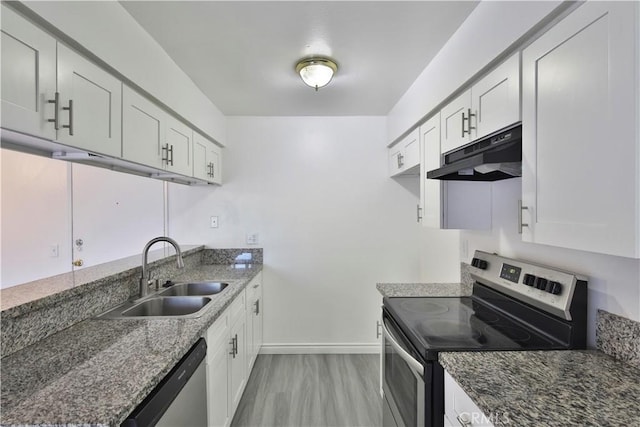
54	251
214	222
252	238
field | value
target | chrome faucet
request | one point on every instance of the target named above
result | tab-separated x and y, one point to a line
144	280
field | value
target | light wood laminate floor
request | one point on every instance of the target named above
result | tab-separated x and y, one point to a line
319	390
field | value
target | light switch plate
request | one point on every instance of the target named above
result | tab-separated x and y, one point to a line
214	222
252	238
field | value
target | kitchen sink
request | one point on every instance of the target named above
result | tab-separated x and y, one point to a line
194	289
160	306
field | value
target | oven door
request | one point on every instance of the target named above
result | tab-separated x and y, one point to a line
403	384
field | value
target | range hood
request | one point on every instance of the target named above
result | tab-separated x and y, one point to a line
491	158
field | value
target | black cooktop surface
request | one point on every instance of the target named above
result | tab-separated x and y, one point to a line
434	324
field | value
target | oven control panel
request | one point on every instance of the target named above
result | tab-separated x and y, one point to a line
547	288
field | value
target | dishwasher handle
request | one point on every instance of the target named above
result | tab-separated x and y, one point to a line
158	401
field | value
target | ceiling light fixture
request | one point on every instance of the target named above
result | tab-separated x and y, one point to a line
316	71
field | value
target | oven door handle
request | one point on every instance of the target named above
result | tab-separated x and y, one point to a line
413	363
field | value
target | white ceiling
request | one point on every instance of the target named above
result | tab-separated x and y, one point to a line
242	54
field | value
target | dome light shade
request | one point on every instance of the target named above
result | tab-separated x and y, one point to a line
316	71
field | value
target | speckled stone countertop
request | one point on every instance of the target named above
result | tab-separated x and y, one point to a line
423	289
33	295
548	388
97	371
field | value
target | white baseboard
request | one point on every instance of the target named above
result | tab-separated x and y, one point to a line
320	349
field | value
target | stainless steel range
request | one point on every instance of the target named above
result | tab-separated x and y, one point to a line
515	306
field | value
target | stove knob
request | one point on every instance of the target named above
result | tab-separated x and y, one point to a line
554	288
541	283
474	262
529	280
482	264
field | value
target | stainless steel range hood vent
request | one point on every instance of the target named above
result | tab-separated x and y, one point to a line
491	158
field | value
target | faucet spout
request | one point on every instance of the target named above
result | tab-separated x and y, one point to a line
144	280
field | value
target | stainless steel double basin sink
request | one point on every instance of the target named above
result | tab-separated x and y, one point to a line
182	300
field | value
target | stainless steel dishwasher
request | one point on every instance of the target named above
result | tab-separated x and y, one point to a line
181	397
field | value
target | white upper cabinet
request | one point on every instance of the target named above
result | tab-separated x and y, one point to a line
404	156
154	138
495	100
143	129
207	159
90	105
491	104
178	149
581	167
455	122
430	189
28	77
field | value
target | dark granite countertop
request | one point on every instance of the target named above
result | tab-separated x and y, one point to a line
97	371
548	388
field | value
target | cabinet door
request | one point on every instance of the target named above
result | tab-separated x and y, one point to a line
179	137
580	125
495	100
396	160
430	189
28	76
454	123
143	132
404	156
254	322
207	161
214	157
91	105
237	363
217	372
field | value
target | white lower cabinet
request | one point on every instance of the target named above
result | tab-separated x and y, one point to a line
254	320
237	360
218	349
459	409
230	340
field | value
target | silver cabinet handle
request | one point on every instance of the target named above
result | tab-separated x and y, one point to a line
419	213
464	422
168	157
468	120
520	223
400	159
257	306
378	332
413	363
256	285
70	110
56	115
234	346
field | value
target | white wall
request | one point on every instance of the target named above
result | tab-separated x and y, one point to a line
491	28
36	209
614	282
330	220
50	203
107	30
